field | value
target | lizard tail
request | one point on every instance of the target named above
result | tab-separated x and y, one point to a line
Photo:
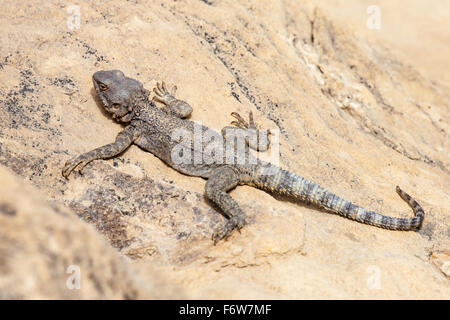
281	181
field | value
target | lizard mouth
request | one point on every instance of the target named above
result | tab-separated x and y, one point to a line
120	112
126	118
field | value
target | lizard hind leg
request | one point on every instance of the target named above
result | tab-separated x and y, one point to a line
221	181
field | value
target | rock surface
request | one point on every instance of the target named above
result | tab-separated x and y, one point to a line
351	116
46	252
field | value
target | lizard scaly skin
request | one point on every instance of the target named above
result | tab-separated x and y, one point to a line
157	130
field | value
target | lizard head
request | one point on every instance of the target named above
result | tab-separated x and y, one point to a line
118	93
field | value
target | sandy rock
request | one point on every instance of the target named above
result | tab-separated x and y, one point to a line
46	252
350	114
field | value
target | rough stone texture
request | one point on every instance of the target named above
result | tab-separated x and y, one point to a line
352	116
43	247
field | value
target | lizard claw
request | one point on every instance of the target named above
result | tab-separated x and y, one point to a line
162	94
241	123
177	107
236	222
256	139
73	163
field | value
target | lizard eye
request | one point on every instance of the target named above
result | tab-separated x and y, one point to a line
103	87
116	106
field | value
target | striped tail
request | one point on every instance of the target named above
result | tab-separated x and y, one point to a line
281	181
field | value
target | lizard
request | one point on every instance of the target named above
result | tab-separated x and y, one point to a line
153	129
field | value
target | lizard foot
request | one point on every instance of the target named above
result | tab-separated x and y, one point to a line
162	94
178	108
78	161
236	222
256	139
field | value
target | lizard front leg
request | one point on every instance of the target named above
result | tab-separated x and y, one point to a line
255	138
221	181
123	141
176	107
